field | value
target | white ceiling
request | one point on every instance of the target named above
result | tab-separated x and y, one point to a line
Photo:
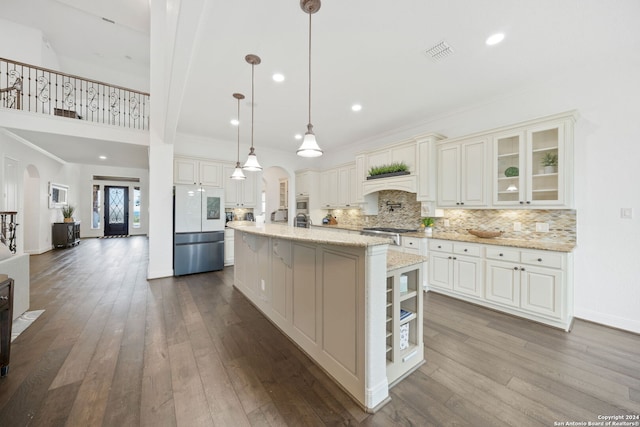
365	51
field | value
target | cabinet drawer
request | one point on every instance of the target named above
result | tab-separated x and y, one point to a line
543	259
440	246
411	242
503	254
465	249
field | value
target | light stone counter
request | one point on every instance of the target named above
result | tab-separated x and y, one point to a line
308	234
396	260
525	244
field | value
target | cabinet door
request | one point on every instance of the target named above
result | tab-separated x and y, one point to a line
440	270
302	184
541	291
467	276
353	187
229	243
502	283
546	177
185	171
329	188
509	169
210	174
474	173
448	175
426	171
361	174
344	185
230	187
249	194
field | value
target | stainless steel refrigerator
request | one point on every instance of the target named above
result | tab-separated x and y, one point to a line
198	240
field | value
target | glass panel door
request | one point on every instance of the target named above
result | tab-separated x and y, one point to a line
509	169
545	163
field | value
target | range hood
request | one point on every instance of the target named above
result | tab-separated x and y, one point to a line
408	183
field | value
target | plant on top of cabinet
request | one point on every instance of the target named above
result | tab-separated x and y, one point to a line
67	212
391	169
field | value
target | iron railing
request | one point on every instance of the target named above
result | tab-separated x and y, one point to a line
40	90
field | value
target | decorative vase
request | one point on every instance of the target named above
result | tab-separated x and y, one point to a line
428	231
68	220
550	169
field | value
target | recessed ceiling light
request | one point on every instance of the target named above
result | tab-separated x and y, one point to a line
356	107
102	157
495	39
235	122
298	136
277	77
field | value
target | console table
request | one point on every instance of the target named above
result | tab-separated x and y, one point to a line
66	234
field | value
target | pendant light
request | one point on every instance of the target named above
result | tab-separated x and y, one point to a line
237	172
252	164
309	146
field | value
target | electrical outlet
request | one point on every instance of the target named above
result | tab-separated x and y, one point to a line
446	222
262	284
517	226
626	213
542	227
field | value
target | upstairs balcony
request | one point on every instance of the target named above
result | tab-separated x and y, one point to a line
38	90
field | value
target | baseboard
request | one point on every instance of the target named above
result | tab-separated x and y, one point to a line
630	325
158	274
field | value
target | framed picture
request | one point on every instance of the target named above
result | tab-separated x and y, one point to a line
58	195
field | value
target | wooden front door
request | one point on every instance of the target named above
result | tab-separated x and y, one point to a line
116	211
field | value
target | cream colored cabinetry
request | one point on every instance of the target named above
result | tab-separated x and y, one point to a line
283	196
239	193
228	246
537	285
304	182
462	173
456	267
533	164
188	170
338	187
427	170
405	350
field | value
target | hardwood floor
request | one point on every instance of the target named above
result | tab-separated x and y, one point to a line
114	349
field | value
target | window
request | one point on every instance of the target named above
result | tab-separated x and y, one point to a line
136	207
95	208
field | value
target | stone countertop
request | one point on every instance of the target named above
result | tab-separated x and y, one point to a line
459	237
397	260
307	234
337	227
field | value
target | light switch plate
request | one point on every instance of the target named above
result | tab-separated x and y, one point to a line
626	213
542	227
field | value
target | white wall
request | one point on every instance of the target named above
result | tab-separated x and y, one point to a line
27	45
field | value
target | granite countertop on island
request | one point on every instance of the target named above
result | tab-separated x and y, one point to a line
307	234
397	260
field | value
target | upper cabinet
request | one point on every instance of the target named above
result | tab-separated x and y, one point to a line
533	165
188	170
338	187
426	169
239	193
462	173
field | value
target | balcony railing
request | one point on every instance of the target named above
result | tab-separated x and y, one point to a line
40	90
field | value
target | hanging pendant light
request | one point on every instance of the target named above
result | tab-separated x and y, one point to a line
309	146
252	164
237	172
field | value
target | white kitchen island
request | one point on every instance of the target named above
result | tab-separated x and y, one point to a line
332	294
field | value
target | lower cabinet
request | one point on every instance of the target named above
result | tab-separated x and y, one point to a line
533	284
65	234
228	246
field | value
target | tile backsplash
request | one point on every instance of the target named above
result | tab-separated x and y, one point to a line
561	222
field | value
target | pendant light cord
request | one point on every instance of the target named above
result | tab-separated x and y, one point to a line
238	155
252	105
309	68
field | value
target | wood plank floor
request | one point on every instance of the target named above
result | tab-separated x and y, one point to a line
114	349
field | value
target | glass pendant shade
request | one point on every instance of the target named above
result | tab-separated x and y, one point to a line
237	172
252	164
309	146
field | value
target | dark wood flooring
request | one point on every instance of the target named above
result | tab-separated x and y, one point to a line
114	349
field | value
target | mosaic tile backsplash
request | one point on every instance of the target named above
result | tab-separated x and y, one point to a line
562	222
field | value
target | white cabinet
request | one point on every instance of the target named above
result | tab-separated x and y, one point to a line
338	187
462	173
229	246
533	165
426	170
239	193
329	189
188	170
303	183
283	196
534	284
456	267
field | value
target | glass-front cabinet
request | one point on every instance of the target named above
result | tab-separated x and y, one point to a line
530	166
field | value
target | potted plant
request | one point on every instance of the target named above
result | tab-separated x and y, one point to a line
67	213
550	162
392	169
427	225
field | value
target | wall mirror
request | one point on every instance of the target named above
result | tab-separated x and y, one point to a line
58	194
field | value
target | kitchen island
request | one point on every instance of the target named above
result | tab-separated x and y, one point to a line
340	299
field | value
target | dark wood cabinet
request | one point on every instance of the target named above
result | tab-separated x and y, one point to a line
66	234
6	320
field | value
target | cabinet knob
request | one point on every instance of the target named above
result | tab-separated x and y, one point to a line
462	203
457	203
522	269
539	259
439	247
528	202
515	268
521	202
501	254
455	258
466	250
450	257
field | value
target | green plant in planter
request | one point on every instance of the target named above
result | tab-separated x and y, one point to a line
390	168
550	159
428	222
67	211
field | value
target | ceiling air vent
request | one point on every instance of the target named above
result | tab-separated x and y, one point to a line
439	51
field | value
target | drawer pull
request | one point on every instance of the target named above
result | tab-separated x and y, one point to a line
450	257
539	259
455	258
466	250
515	268
522	269
501	254
439	247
